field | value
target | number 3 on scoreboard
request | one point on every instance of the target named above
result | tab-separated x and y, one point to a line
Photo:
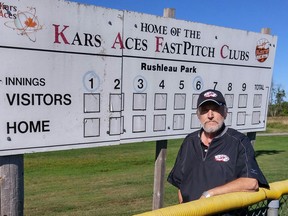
140	83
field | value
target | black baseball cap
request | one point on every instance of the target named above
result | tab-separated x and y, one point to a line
211	95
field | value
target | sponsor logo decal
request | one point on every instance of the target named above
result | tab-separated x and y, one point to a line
262	50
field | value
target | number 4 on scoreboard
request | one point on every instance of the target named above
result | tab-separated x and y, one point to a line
162	84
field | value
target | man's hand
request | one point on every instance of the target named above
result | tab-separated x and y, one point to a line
237	185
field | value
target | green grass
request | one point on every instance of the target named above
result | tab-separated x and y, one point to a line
117	180
99	181
277	124
272	156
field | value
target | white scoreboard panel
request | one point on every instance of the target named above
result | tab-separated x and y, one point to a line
89	76
176	60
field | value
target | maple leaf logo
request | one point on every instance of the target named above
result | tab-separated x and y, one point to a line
30	22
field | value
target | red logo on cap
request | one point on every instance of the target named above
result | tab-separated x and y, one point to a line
210	94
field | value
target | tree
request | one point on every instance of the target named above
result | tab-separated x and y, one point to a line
276	104
280	95
285	108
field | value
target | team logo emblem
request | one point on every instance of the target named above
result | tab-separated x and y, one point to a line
262	50
26	23
210	94
221	158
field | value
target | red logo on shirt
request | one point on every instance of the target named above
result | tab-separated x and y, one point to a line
222	158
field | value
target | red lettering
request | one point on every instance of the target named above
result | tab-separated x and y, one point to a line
118	40
221	51
61	34
158	43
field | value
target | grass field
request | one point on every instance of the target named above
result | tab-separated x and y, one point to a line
117	180
277	124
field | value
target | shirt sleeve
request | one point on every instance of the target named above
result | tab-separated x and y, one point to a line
176	175
247	165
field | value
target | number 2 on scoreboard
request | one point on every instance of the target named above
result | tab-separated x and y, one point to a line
117	84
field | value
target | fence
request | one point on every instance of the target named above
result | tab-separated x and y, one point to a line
270	202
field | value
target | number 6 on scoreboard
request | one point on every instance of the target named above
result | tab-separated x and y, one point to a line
198	83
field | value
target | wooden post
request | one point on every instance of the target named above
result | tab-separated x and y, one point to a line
12	185
266	31
161	152
169	12
159	174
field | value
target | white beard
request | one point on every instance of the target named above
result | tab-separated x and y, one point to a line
212	129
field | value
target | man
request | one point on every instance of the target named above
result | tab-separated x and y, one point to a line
215	159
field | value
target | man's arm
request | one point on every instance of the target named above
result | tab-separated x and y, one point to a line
180	198
237	185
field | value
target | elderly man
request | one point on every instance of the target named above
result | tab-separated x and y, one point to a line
215	159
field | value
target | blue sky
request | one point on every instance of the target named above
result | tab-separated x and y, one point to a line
245	15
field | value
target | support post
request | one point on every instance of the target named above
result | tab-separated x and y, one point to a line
273	207
159	174
169	12
252	137
266	31
12	185
161	152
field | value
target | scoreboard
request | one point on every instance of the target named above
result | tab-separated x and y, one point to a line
90	76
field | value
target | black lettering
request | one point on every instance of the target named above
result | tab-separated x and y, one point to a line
144	44
48	99
45	126
127	44
67	99
77	39
25	99
153	28
88	39
42	82
39	126
23	127
10	100
24	81
58	99
97	40
11	127
30	126
35	127
138	44
38	98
